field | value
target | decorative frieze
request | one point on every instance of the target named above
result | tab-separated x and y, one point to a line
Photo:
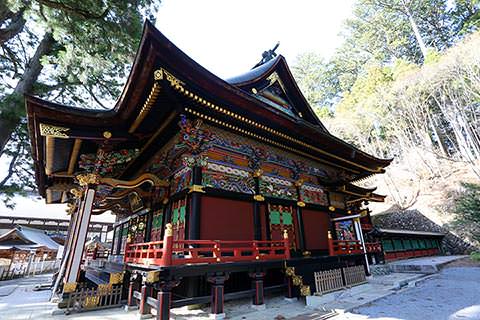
48	130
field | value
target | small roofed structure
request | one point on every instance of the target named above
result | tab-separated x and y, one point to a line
20	241
95	248
403	244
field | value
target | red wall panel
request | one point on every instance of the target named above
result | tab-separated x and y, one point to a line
226	219
315	225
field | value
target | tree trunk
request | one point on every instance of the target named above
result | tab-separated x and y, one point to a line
418	36
438	136
13	104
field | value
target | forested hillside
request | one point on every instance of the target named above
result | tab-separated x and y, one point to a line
406	84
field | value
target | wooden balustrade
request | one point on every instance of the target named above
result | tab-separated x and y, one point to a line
373	247
341	247
177	252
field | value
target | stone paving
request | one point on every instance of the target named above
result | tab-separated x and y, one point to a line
452	294
423	265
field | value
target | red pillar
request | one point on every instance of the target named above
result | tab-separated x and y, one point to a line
144	308
218	282
257	284
164	299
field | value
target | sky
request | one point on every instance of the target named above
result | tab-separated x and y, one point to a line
228	38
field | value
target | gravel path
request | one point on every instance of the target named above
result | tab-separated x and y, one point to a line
453	294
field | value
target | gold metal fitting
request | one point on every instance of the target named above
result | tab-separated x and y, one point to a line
299	182
69	287
152	277
107	134
258	197
290	271
257	173
331	208
116	278
297	280
301	204
196	188
305	290
77	192
88	178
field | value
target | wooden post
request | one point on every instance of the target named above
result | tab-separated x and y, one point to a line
286	243
218	283
257	222
300	204
195	204
358	229
144	308
78	244
331	250
257	285
167	245
289	293
301	230
130	301
148	229
164	299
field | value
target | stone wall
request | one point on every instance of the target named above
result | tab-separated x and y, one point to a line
415	220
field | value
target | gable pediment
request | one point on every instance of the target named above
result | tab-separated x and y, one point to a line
273	84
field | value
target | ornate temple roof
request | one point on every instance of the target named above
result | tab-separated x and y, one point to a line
264	104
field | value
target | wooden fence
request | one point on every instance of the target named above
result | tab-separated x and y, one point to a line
328	281
354	275
19	270
86	299
336	279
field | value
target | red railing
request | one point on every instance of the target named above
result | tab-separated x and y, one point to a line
373	247
170	253
340	247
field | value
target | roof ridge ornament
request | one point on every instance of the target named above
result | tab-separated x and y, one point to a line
268	55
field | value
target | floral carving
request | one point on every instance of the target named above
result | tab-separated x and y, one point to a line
107	163
192	135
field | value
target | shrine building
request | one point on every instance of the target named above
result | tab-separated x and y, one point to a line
221	189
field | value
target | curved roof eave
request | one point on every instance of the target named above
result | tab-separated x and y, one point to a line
157	51
255	74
